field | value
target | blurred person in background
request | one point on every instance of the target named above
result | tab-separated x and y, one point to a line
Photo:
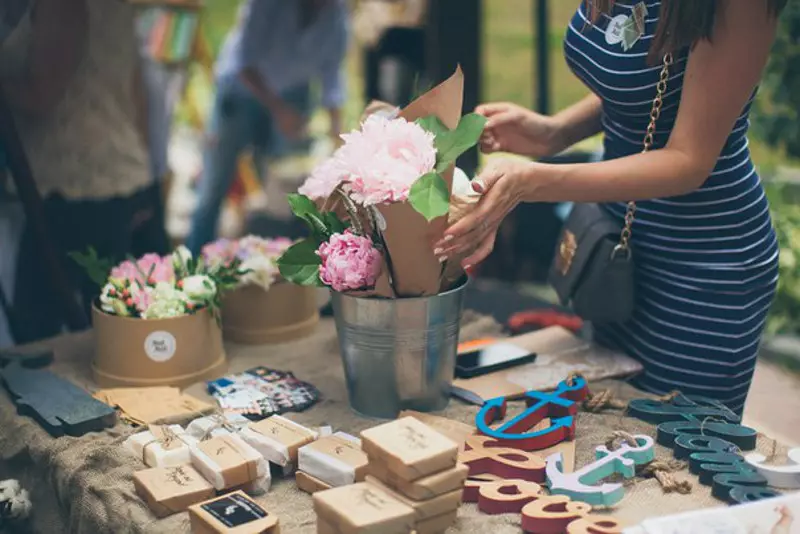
264	74
71	77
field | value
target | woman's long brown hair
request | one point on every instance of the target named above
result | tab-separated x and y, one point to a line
681	23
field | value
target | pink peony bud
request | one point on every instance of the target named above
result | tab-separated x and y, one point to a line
349	262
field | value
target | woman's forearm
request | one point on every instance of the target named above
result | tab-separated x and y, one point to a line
655	174
578	122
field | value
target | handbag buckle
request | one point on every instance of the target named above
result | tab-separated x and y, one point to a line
621	252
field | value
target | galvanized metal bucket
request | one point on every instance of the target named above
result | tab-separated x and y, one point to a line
398	354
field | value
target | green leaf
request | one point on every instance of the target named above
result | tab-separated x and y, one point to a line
300	264
334	225
429	196
97	269
305	208
432	124
451	144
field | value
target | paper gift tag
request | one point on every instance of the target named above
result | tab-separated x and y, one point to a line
409	448
278	439
428	509
423	488
337	460
363	509
234	512
168	490
227	461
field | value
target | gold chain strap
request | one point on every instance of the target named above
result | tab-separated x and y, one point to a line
655	113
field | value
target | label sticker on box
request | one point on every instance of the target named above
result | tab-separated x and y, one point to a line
234	510
160	346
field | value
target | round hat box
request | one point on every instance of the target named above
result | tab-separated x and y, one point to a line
178	352
253	316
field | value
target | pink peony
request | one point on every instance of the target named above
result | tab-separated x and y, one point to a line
349	262
162	270
378	163
324	179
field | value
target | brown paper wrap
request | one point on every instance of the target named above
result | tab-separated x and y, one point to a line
290	435
252	316
156	352
363	509
410	238
236	470
344	450
309	484
168	490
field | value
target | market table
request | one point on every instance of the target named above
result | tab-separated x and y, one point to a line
84	485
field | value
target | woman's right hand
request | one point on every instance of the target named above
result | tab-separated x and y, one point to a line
515	129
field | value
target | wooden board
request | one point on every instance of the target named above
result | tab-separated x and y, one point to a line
59	406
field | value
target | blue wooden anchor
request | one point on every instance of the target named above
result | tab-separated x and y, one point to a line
582	484
559	406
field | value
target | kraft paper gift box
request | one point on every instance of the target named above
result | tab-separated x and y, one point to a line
160	446
336	460
216	425
363	509
423	488
436	525
228	462
168	490
233	513
309	483
409	448
429	508
278	439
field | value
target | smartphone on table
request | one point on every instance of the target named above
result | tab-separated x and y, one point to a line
491	357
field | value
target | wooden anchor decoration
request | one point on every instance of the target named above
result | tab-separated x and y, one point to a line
582	484
778	476
560	407
484	456
710	436
541	514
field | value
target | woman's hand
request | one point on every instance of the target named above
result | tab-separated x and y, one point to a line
501	184
512	128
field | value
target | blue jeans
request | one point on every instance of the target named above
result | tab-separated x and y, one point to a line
238	121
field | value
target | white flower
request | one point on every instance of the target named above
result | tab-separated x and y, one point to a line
106	300
165	301
199	288
263	271
181	257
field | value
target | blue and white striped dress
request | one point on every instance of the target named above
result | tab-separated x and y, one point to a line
707	261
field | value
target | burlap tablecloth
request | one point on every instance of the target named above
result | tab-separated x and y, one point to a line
84	485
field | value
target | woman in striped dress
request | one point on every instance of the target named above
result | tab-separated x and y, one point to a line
706	251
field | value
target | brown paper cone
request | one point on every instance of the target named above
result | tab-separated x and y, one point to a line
156	352
286	312
409	237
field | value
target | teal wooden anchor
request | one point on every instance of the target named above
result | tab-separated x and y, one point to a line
582	485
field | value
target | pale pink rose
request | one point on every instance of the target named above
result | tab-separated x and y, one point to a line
162	270
349	262
377	164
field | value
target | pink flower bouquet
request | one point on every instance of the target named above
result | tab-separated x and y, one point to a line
258	257
156	287
376	205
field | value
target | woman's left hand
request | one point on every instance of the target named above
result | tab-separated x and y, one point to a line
500	185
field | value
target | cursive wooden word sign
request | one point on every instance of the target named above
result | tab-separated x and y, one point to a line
560	407
581	485
709	435
778	476
541	513
483	456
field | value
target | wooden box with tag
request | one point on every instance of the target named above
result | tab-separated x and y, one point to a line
168	490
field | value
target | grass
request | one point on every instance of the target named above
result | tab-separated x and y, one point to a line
508	59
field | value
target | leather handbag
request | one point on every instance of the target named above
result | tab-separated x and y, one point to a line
593	270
